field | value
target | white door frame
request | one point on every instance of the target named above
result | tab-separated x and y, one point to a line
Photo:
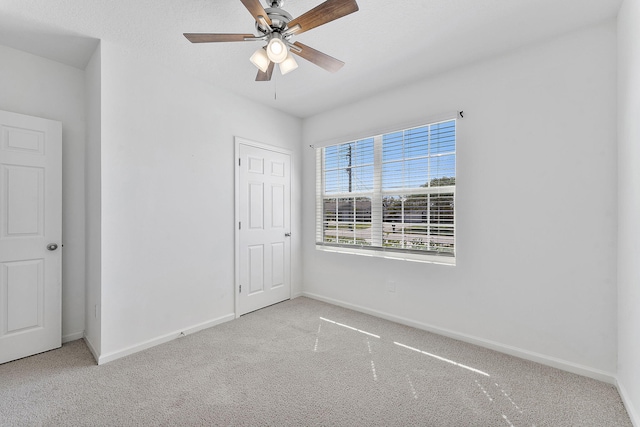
242	141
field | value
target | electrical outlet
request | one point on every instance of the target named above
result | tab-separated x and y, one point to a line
391	286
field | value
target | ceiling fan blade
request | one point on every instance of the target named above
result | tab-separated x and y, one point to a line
256	9
213	38
325	12
323	60
265	77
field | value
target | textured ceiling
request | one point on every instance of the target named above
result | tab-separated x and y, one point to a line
385	44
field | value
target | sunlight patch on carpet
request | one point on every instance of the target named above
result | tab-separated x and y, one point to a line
351	327
444	359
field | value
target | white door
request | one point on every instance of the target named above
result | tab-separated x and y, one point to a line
30	220
264	210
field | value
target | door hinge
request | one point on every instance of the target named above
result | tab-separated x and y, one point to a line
240	288
239	162
239	225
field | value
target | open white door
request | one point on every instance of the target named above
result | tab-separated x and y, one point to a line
263	211
30	235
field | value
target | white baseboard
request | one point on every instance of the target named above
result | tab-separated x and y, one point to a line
92	349
628	404
72	337
109	357
503	348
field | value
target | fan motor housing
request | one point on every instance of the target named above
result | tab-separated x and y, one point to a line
279	20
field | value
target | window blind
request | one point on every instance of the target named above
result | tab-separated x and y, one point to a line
392	192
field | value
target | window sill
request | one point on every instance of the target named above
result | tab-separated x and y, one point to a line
397	255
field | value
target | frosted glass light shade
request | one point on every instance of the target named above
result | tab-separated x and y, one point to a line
277	50
288	65
260	59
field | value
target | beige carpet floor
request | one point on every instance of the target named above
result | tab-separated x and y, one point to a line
302	363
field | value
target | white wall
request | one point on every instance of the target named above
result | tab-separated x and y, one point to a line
93	198
629	206
167	172
43	88
536	206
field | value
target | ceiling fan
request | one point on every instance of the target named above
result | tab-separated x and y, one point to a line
276	27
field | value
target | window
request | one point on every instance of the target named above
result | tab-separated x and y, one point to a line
391	195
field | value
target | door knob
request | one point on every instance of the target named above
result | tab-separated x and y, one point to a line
52	246
287	234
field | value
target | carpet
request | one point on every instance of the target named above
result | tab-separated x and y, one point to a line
302	363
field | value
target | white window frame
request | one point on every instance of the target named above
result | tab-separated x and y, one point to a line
377	250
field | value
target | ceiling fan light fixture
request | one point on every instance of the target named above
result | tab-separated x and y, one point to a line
276	50
288	65
275	26
260	60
